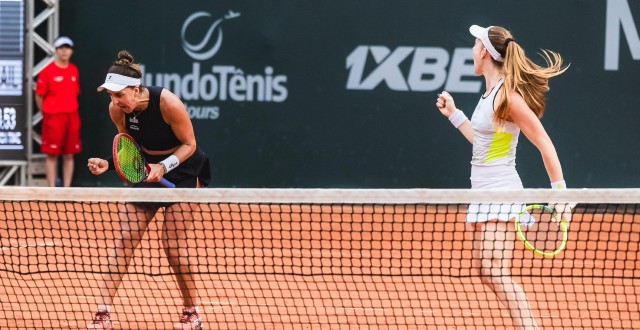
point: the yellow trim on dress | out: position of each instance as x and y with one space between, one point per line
499 147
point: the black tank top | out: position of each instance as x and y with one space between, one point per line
148 128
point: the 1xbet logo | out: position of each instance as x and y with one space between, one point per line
427 69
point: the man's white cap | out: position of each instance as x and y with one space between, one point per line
61 41
483 34
117 82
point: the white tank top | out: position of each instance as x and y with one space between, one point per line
490 146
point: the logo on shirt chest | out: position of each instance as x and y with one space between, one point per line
134 127
133 120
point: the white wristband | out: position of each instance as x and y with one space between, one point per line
559 185
457 118
170 162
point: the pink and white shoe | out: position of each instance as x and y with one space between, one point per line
189 319
101 320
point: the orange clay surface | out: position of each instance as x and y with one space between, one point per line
311 267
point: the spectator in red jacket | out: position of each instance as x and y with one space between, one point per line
57 91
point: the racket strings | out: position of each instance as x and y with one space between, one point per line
542 231
130 161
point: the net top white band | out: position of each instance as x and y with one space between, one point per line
117 82
323 196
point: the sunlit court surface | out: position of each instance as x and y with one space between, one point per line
326 259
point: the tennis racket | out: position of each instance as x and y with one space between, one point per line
541 230
129 161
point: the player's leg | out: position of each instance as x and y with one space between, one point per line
70 146
52 134
67 170
178 240
134 219
493 245
51 169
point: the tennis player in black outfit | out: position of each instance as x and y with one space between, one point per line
159 122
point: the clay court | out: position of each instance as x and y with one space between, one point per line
285 266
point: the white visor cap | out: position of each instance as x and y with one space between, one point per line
117 82
483 34
61 41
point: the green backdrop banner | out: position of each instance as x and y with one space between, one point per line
342 93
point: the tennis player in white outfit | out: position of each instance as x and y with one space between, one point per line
513 102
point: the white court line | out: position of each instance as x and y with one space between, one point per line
28 246
465 312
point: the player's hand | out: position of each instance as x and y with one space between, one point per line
156 172
97 166
445 104
563 210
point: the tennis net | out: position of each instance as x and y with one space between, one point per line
311 258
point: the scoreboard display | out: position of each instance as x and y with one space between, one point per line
12 91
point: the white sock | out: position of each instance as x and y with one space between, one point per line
104 307
195 308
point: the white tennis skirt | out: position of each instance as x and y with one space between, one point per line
494 177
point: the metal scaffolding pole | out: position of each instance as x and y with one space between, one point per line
40 15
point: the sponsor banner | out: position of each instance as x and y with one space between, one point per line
12 109
207 83
11 77
341 94
12 139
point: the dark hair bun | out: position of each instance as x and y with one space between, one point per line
124 58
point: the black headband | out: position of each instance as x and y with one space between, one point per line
506 42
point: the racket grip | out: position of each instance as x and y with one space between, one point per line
167 183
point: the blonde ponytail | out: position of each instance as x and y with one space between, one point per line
522 75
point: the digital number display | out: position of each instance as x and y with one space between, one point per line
12 109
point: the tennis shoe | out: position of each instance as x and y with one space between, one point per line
189 319
102 321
